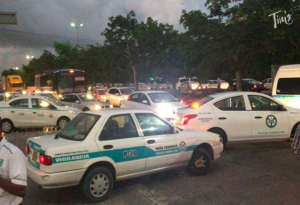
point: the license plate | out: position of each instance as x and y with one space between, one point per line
34 156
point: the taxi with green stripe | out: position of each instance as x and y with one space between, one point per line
97 148
34 112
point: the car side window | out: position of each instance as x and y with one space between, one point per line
41 104
234 103
19 103
65 98
262 103
144 98
119 127
134 97
112 91
153 125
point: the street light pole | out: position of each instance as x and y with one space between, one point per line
77 27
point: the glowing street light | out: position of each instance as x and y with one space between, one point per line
28 57
16 68
77 27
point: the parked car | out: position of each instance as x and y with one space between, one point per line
84 102
143 86
100 94
175 93
188 85
116 95
34 112
159 102
249 84
268 83
159 84
199 94
240 116
221 84
98 148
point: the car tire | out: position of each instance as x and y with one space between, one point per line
61 122
97 184
199 163
7 126
85 109
221 133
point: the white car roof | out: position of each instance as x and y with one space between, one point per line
149 91
120 88
224 94
118 111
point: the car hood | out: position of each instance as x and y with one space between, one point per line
95 103
75 109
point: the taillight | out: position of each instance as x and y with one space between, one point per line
264 86
182 101
255 86
45 160
187 118
26 149
195 105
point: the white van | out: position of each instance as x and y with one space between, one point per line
286 85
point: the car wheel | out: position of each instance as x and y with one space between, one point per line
7 126
199 163
85 109
97 184
221 133
61 122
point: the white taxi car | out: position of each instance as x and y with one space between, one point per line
238 116
33 112
159 102
97 148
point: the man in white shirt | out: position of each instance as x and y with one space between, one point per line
13 173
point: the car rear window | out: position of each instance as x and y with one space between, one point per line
78 128
288 86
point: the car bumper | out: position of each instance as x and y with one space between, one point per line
218 149
54 180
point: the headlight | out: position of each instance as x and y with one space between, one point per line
111 106
24 92
97 107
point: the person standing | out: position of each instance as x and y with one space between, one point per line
13 173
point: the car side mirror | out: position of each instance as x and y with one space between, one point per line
145 102
77 101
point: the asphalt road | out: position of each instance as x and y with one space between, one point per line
246 173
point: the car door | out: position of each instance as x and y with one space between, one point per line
112 96
120 141
42 112
164 147
233 117
269 121
20 113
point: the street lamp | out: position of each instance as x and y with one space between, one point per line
28 57
15 68
77 27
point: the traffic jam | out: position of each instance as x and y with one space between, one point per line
108 134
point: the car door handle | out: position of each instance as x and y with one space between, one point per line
151 141
222 118
12 111
34 112
258 117
108 146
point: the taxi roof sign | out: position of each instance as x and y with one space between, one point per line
8 18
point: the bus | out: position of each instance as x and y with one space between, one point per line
60 81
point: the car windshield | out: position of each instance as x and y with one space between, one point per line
78 128
194 79
161 97
212 81
126 91
87 98
54 100
183 80
160 81
203 101
254 82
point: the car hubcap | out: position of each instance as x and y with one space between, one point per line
62 123
99 185
6 126
200 163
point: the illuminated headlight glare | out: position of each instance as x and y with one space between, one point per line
195 86
24 92
224 86
7 95
97 107
72 112
111 106
164 111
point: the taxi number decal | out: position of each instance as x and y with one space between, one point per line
21 114
40 115
130 153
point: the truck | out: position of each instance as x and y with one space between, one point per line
12 83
